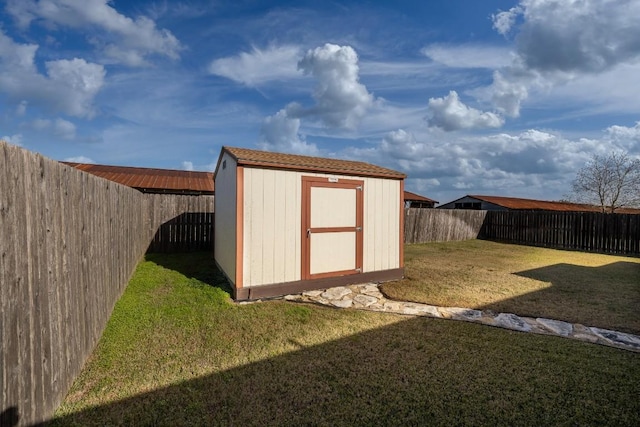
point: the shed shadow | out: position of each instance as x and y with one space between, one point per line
197 265
414 372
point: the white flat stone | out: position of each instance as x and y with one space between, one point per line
619 338
556 326
312 293
365 300
392 306
336 293
511 321
345 303
465 313
420 310
292 297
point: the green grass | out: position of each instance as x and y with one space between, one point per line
591 289
177 351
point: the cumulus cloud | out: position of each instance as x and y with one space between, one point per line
79 159
558 41
69 85
341 100
450 114
282 133
259 66
188 166
122 39
532 163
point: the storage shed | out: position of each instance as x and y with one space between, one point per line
289 223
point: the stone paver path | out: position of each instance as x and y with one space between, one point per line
369 297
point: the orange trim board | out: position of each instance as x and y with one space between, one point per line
239 226
401 249
307 183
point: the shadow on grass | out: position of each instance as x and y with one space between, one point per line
607 296
414 372
197 265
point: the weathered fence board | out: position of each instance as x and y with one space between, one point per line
69 242
188 232
441 225
584 231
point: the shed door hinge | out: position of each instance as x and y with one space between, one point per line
358 270
359 187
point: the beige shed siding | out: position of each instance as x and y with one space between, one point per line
225 218
272 221
381 224
271 226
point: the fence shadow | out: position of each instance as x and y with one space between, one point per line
581 294
198 265
414 372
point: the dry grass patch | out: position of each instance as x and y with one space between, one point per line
592 289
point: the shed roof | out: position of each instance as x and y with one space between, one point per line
531 204
151 179
266 159
408 195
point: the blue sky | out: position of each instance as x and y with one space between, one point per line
464 96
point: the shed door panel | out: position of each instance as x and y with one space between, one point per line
332 220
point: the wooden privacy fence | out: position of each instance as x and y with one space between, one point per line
584 231
69 242
441 225
191 231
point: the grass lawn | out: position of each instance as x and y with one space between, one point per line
592 289
176 352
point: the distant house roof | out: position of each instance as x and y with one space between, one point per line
151 180
413 197
266 159
515 203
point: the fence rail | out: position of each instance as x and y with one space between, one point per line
584 231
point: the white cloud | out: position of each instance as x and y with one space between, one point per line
281 133
560 41
64 129
341 100
468 56
121 38
188 166
259 66
13 139
69 85
60 127
79 159
450 114
503 21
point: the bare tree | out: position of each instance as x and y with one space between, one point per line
610 181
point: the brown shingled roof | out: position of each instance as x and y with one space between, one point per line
151 179
530 204
408 195
247 157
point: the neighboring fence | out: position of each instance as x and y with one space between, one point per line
191 231
584 231
69 242
441 225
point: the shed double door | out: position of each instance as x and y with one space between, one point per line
332 221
